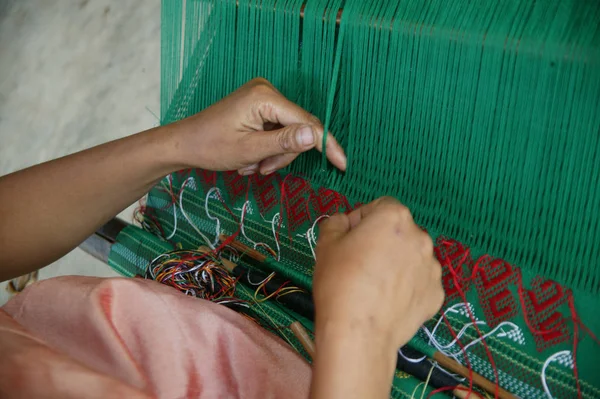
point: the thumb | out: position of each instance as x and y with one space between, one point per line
294 138
332 229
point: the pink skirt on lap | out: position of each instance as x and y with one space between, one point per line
87 337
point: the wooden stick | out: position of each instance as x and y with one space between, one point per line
338 18
478 380
227 264
302 336
246 250
462 392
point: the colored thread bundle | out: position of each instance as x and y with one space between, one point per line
272 287
195 274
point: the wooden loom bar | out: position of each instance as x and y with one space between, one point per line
338 18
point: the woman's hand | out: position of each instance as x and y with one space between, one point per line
376 281
254 129
233 134
376 268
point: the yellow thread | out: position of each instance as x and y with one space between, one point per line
276 326
412 396
427 380
402 375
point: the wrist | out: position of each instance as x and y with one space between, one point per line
358 325
352 361
167 146
357 332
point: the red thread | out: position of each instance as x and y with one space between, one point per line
472 394
472 317
297 213
576 324
520 290
462 348
232 237
449 251
264 192
325 201
207 178
545 298
235 184
493 277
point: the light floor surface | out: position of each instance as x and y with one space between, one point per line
74 74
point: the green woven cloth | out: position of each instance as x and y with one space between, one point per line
483 117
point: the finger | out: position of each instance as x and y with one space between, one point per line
364 211
275 108
282 111
249 170
335 153
332 229
276 162
292 139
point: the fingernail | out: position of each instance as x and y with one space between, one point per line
344 162
305 136
248 171
267 171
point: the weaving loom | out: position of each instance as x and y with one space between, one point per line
482 117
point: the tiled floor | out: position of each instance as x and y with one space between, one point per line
73 74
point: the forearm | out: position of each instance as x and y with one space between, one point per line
48 209
351 362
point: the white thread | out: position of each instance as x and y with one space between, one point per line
456 308
558 356
236 301
261 282
194 268
433 341
461 308
410 360
515 334
254 243
439 346
278 217
206 240
152 262
311 236
242 224
216 219
504 323
169 179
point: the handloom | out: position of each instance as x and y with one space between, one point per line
482 117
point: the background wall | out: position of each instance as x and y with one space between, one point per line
74 74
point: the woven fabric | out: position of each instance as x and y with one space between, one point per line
482 117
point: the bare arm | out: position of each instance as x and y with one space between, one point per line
352 360
48 209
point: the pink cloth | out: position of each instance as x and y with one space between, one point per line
85 337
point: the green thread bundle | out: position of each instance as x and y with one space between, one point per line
482 117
